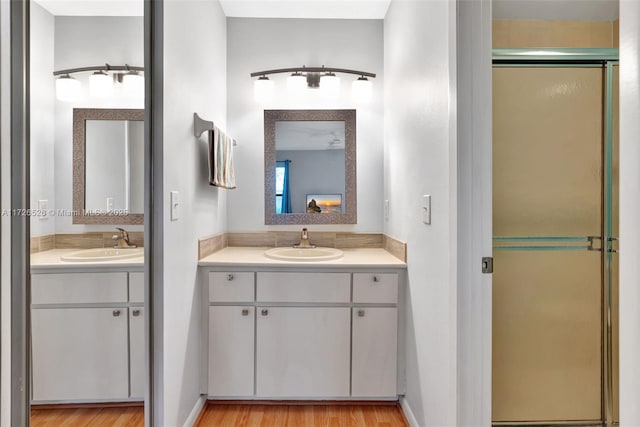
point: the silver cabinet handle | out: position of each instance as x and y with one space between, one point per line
265 312
136 313
360 313
245 311
376 279
116 313
229 277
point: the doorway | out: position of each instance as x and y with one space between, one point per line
555 210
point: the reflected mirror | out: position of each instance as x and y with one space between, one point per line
310 172
108 166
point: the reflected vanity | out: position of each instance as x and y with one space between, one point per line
108 166
310 166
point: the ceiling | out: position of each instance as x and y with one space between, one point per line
570 10
561 10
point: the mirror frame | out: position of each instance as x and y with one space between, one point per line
80 116
350 213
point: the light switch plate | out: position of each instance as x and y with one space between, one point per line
109 204
426 209
43 208
386 210
175 205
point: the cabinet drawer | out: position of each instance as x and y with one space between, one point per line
375 288
303 287
136 287
229 286
76 288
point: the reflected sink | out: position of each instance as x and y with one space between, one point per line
103 254
306 255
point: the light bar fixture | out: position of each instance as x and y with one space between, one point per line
323 78
101 81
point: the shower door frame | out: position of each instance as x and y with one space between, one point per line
605 58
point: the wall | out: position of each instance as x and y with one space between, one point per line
629 205
308 174
42 116
86 41
262 44
195 81
420 158
523 33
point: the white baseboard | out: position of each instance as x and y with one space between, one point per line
408 413
195 412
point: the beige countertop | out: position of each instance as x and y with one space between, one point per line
51 259
254 257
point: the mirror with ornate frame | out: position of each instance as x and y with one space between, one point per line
310 166
108 166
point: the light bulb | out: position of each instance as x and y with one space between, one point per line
263 89
296 84
67 88
361 90
330 86
133 84
100 84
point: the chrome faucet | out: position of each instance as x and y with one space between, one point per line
121 240
304 240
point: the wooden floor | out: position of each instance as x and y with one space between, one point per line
84 417
302 415
234 415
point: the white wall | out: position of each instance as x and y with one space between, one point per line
419 45
195 81
42 116
629 206
87 41
262 44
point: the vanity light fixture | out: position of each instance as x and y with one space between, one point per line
323 78
263 89
100 84
361 89
67 88
101 81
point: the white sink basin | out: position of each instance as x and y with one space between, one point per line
103 254
306 255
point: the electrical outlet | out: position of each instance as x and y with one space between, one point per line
386 210
109 204
426 209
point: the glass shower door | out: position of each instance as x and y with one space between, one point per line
548 201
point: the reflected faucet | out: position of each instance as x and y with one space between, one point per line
304 240
121 240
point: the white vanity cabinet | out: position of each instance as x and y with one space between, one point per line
301 334
87 337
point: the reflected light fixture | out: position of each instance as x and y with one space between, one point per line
101 81
323 78
361 89
100 84
133 84
263 89
67 88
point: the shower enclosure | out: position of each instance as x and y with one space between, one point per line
555 222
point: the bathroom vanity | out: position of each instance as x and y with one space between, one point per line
87 329
302 330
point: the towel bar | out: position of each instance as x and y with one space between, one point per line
200 125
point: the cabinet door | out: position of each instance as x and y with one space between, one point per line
79 353
136 352
302 352
374 352
231 351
